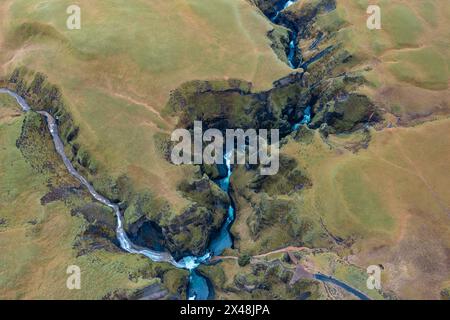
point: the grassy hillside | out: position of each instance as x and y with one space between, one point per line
407 60
40 240
385 203
367 196
117 71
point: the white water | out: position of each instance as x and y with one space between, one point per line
289 3
125 243
223 239
198 287
285 6
189 262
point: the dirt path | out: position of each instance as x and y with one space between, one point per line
283 250
288 250
140 103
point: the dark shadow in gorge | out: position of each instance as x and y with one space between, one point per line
147 234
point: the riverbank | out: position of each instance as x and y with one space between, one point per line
199 288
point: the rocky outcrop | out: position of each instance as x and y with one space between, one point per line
268 7
299 20
149 219
189 233
215 171
331 99
288 180
151 223
330 93
322 87
272 280
280 38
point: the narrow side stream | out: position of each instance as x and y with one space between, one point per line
306 119
346 287
199 287
125 243
292 49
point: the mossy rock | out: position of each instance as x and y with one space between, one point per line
351 112
244 259
175 280
445 294
215 274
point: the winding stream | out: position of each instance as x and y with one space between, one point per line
188 262
223 239
291 55
343 285
199 287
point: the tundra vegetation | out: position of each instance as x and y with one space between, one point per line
363 184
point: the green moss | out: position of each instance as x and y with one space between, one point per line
269 212
403 24
37 147
445 294
304 135
279 36
424 67
145 204
244 259
211 171
292 95
28 30
288 180
206 193
175 280
306 289
271 281
215 274
189 90
163 144
354 110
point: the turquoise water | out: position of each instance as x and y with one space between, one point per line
223 239
306 119
280 6
341 284
199 287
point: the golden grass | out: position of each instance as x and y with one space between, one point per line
408 58
392 198
117 79
36 241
